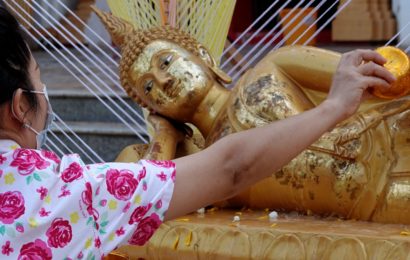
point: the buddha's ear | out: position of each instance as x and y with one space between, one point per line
209 60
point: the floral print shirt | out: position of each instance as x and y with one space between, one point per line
52 208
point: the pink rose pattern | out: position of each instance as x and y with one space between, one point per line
73 172
50 155
11 206
2 159
145 229
59 233
121 184
27 161
165 164
48 206
35 250
139 213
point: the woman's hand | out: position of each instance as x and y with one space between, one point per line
357 72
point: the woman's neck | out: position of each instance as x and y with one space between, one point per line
209 108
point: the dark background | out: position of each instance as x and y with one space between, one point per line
246 11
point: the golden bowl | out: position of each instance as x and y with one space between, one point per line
398 64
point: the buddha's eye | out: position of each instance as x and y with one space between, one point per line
166 61
148 86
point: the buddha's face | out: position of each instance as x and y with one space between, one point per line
170 80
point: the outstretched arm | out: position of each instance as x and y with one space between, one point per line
240 160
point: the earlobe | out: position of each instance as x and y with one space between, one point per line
18 106
221 75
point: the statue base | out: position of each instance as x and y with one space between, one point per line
214 235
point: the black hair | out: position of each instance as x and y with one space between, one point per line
15 57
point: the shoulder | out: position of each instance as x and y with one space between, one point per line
256 98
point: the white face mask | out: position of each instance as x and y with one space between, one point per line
41 137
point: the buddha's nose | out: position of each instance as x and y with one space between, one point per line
163 79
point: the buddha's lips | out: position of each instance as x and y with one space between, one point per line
171 88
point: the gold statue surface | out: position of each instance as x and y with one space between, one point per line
358 170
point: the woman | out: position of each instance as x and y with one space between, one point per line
57 208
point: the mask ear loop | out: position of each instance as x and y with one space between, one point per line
24 124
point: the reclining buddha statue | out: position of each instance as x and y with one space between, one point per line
359 170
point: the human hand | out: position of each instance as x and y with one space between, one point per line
358 72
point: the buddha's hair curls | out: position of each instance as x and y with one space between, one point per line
135 43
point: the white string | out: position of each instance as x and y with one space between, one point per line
198 24
116 82
254 48
220 42
56 148
313 24
296 27
190 14
78 138
41 45
397 34
284 39
61 143
108 57
403 40
73 142
91 30
59 139
48 42
249 28
133 13
85 76
96 77
183 13
341 8
237 51
219 23
51 149
110 70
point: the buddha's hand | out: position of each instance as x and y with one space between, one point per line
357 71
175 129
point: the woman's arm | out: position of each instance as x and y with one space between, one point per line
241 159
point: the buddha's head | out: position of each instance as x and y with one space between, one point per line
163 68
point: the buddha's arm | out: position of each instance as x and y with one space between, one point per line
162 146
309 67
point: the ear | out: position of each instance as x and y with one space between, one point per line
20 106
210 61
